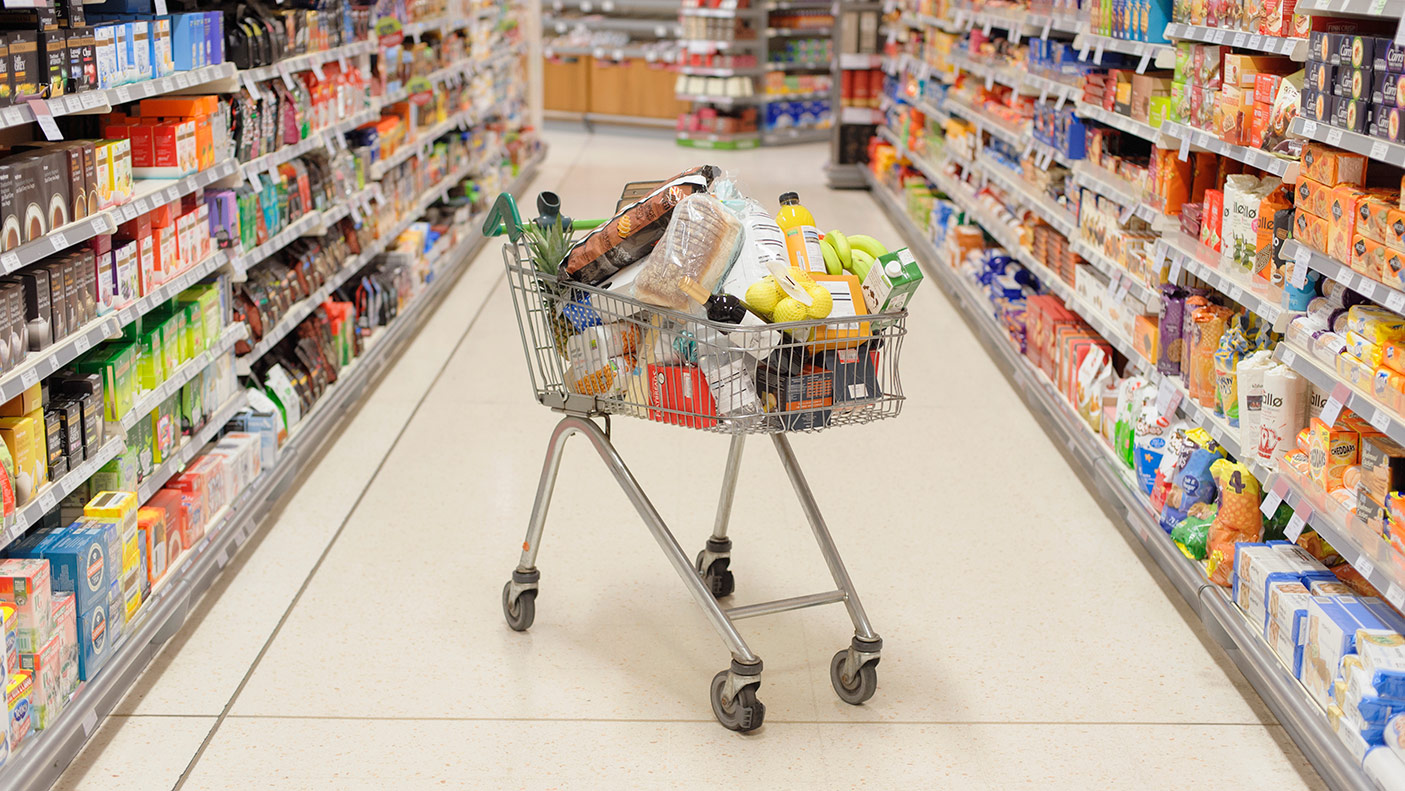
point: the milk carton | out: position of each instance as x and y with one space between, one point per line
891 281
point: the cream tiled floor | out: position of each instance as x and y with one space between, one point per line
360 644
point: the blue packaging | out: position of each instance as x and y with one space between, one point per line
97 638
214 20
185 38
78 562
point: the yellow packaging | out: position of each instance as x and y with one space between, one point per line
17 699
1376 325
24 436
1354 370
1333 450
1364 350
1389 387
119 507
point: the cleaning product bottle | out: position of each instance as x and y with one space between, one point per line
802 238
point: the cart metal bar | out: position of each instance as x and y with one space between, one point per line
729 486
785 605
831 555
571 424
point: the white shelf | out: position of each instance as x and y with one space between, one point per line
1295 48
1370 288
1285 169
147 194
1388 9
1163 56
1119 191
311 60
1189 255
1118 121
1325 378
103 100
1375 148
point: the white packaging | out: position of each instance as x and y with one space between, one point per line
1250 373
1284 412
1316 399
1385 767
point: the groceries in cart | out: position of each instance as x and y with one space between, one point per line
699 306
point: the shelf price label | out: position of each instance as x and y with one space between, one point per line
1364 565
1294 529
1367 288
47 501
1395 301
1098 54
1334 137
1273 499
1380 419
45 116
1333 408
1378 150
29 377
1395 595
1141 64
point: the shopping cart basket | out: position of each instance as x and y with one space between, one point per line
592 353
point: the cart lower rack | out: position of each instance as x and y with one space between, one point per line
594 353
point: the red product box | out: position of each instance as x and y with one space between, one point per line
682 390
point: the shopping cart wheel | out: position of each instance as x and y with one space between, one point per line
743 712
716 576
854 688
520 612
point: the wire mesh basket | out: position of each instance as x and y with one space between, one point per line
600 352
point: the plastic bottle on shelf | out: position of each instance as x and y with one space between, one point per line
802 238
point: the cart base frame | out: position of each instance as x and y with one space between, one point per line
852 670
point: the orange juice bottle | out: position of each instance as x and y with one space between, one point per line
802 238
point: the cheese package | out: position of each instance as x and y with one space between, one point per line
1331 166
1376 325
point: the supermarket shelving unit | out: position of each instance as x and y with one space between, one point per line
1300 715
37 763
847 175
766 34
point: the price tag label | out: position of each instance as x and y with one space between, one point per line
341 62
989 81
1220 36
1367 288
1236 294
1015 35
1395 595
986 29
90 722
92 99
1364 565
1240 39
1289 357
29 377
13 117
1380 419
1294 529
1142 64
223 559
1270 504
1098 54
45 116
59 240
123 94
1048 23
47 501
1184 153
1331 410
1127 213
10 262
317 70
1059 105
82 344
1334 137
1378 150
1175 274
1083 53
182 80
1395 301
1309 128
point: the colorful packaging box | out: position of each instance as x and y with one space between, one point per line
24 583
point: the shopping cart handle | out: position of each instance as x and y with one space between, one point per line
504 218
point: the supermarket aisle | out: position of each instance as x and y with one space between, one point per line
361 643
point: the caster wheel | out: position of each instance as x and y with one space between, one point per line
857 689
716 576
745 713
522 612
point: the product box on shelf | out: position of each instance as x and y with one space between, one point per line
24 583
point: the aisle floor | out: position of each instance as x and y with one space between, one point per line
359 643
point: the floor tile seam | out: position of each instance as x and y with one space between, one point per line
209 737
769 721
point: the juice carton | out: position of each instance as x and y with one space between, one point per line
24 582
891 282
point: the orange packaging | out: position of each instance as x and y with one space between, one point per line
1332 167
1367 256
1393 357
1265 88
1313 196
1393 268
1305 440
1354 371
1274 202
1373 216
1212 217
1333 450
1341 219
1145 336
1395 229
179 106
1309 229
846 292
1258 124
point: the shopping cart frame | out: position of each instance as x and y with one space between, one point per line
733 691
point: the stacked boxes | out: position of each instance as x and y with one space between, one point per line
1352 80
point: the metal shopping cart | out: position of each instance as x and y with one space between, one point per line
592 353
